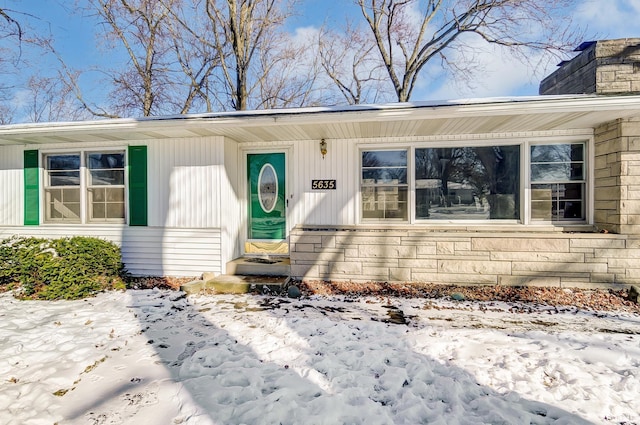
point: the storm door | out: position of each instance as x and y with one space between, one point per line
267 206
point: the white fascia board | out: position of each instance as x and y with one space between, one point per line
627 105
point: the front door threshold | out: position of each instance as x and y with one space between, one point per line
266 247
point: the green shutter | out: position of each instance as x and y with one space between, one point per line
137 185
31 189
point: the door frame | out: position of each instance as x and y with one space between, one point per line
244 180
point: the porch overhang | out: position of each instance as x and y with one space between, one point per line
539 114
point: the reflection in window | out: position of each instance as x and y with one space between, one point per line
62 188
468 183
268 188
105 186
384 187
557 182
96 179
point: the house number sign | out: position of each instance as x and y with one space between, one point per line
323 184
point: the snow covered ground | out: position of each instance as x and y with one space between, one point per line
158 357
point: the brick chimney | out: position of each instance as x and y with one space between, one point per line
602 67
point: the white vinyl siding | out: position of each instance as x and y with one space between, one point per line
229 198
146 251
184 182
11 185
323 207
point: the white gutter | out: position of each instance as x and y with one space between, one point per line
630 105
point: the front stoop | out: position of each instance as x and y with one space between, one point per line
246 274
256 266
236 284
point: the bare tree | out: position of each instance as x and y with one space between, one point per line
166 70
9 26
22 44
6 114
10 46
197 62
289 73
140 28
408 34
49 99
242 29
351 62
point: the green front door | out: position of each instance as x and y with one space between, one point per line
267 207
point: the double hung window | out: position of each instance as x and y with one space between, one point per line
558 182
84 187
384 185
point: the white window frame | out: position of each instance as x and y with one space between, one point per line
46 187
84 186
587 180
407 185
525 144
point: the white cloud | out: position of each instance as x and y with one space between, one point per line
498 73
609 19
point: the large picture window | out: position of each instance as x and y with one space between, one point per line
558 182
93 179
468 183
476 183
384 187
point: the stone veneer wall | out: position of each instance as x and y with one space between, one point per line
465 257
617 177
604 67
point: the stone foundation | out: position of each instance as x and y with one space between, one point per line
465 257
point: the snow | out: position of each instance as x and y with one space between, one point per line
160 357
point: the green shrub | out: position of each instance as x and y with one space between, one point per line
67 268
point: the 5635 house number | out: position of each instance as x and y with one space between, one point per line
323 184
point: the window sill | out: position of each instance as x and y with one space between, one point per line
457 228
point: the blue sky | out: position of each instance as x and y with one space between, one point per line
503 76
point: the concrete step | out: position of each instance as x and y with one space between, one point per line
237 284
254 266
241 284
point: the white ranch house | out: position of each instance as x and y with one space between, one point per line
540 190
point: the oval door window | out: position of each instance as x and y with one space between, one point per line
268 188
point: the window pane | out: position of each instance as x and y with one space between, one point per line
385 203
557 153
384 158
385 175
105 161
384 185
557 202
98 211
468 183
62 205
97 195
106 204
115 210
106 177
562 166
63 162
63 170
64 178
547 172
115 195
541 201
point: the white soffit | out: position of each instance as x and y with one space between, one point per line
480 116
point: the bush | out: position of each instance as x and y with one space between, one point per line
67 268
